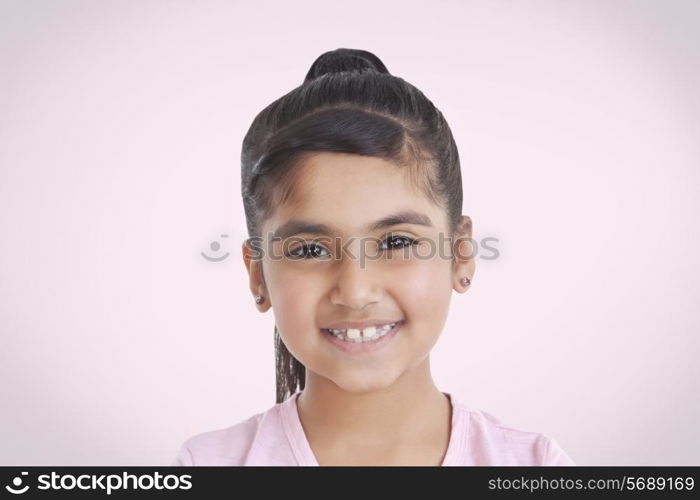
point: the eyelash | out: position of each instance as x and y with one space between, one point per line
305 248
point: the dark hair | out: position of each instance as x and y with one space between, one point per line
348 103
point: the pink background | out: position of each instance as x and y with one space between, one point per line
120 134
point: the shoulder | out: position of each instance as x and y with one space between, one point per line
224 446
490 441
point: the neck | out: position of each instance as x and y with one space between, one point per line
412 406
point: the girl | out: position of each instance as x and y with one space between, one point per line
352 190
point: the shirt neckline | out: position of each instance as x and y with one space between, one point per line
304 454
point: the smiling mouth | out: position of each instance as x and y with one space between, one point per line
367 335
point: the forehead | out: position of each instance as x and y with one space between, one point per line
341 171
350 192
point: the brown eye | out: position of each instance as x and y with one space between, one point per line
403 241
305 252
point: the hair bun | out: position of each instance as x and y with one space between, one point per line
338 60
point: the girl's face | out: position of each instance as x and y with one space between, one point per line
354 272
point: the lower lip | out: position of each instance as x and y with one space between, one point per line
363 347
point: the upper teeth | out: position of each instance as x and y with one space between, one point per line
366 333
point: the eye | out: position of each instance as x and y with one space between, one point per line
405 241
305 252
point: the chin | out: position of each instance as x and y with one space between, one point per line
366 382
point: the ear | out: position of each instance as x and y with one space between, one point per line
463 263
252 258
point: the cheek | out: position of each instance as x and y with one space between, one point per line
425 296
426 284
294 304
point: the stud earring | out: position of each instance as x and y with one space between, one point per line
259 299
466 281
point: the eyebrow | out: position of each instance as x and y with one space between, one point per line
296 226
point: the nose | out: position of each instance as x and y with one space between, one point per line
355 283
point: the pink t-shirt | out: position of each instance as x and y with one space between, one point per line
276 437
